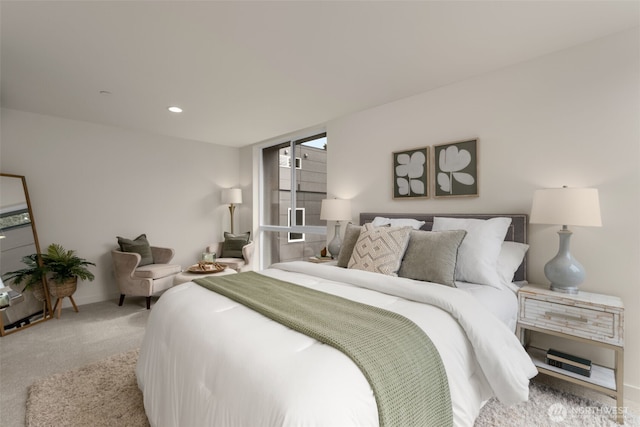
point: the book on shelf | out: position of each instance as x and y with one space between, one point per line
569 362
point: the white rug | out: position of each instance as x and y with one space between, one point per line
106 394
550 407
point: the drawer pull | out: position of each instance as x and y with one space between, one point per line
565 316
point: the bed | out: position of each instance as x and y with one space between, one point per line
207 360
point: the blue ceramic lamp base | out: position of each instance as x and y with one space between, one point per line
336 243
563 271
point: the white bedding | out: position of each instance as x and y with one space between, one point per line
502 303
209 361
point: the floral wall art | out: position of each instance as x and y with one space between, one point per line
410 174
456 169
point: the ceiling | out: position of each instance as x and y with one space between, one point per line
245 72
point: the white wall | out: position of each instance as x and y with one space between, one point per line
89 183
571 118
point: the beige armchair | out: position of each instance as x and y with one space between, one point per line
239 264
146 280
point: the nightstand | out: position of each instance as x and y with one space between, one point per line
585 317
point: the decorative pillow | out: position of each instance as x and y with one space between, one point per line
397 222
139 245
479 251
348 243
380 249
431 256
233 244
510 258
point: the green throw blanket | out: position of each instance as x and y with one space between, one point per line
398 359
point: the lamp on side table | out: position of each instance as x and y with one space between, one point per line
335 210
565 206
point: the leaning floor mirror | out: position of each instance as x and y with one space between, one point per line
23 302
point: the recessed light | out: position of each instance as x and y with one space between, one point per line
174 109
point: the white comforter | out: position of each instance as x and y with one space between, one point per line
209 361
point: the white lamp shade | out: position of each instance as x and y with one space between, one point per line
232 196
335 210
566 206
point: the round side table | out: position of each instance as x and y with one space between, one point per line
186 276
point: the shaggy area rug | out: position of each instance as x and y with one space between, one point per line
102 394
106 394
550 407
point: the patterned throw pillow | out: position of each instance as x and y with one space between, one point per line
380 249
139 245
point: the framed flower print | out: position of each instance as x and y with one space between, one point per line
456 169
411 174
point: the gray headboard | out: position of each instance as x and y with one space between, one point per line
517 231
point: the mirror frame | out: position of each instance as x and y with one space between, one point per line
48 312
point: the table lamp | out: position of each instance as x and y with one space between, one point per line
335 210
565 206
232 197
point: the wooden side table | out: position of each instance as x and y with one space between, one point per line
186 276
320 260
585 317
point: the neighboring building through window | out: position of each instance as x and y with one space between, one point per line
296 237
288 237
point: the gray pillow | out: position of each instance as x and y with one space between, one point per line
431 256
233 244
348 243
139 245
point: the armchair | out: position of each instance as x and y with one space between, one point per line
238 264
145 280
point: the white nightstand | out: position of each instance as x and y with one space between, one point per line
585 317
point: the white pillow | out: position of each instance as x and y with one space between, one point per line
380 221
397 222
510 258
479 251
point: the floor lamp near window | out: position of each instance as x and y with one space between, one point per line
565 206
335 210
232 197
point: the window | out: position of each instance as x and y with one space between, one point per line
296 237
284 190
285 162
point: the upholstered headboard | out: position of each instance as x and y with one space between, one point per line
517 231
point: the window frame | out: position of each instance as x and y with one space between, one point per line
294 228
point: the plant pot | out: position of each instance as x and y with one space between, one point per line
64 289
38 291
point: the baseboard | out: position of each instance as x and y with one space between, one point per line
632 393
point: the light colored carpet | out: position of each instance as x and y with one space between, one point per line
102 394
106 394
97 331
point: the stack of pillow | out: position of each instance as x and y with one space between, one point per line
457 249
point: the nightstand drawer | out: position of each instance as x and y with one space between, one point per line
565 315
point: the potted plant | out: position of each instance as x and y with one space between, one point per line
63 268
32 276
